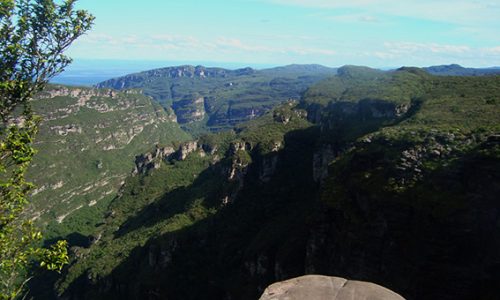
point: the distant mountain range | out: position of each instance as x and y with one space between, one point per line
215 98
457 70
88 72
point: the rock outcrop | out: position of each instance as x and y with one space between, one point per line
152 160
186 148
186 71
316 287
190 110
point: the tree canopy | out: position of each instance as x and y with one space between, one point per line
33 37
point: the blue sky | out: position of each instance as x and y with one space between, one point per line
383 33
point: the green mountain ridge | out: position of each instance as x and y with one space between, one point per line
388 177
215 98
457 70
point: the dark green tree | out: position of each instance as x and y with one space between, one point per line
33 37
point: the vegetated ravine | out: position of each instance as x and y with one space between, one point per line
388 177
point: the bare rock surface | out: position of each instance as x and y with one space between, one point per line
317 287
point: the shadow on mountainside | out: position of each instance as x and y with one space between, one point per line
232 252
212 252
438 239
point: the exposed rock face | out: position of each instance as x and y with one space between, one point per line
176 72
231 115
186 148
370 108
190 110
86 98
210 149
82 94
239 146
284 116
152 160
237 171
341 112
316 287
236 174
65 129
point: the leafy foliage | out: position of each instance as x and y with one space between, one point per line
33 37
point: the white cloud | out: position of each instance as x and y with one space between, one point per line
192 48
236 44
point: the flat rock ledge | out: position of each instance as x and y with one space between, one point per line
317 287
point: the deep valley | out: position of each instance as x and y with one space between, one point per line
230 180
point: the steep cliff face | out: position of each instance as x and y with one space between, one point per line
199 72
230 115
219 98
87 141
191 109
152 160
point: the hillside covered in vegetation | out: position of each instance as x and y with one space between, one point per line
215 98
388 177
86 147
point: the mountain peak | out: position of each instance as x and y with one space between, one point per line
357 71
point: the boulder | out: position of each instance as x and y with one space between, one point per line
316 287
